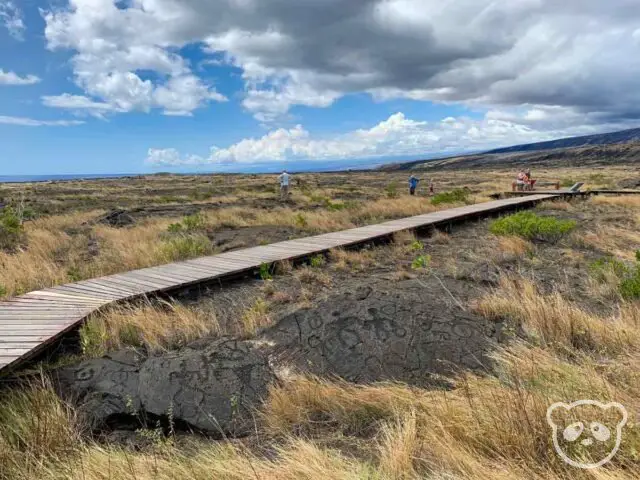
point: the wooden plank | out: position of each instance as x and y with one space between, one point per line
59 298
10 339
143 286
159 283
87 293
158 277
168 272
110 287
7 352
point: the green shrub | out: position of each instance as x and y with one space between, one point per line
629 277
265 271
392 190
317 261
335 206
3 291
417 245
602 266
190 223
11 229
74 274
567 182
174 228
186 247
630 286
194 222
300 220
423 261
459 195
532 227
10 222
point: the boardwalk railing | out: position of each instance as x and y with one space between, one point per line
32 322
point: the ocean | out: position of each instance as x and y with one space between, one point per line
48 178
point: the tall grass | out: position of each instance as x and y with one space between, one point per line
154 326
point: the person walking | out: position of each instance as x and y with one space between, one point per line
284 179
413 184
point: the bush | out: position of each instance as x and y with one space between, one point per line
630 286
194 222
186 247
532 227
11 229
601 267
392 190
191 223
459 195
629 277
421 262
300 220
417 245
265 271
567 182
317 261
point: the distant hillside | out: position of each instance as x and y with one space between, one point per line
623 136
592 150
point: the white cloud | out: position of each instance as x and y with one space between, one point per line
11 78
30 122
78 103
115 46
581 55
11 19
395 137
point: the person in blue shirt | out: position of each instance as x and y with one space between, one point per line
413 184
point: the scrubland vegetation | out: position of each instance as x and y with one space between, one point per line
566 295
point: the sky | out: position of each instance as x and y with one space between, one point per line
129 86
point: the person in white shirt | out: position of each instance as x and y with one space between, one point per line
284 184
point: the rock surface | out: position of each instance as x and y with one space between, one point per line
212 389
404 331
117 218
413 331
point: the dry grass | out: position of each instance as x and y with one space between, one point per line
351 260
558 324
627 201
312 276
555 205
612 240
35 427
154 326
254 319
514 246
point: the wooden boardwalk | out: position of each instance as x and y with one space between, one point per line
31 322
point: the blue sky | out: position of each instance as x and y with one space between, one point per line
99 86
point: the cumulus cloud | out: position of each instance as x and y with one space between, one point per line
12 78
125 57
30 122
577 54
394 137
11 19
